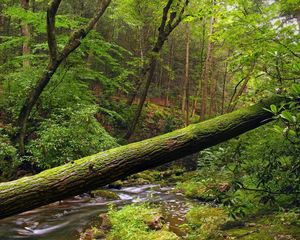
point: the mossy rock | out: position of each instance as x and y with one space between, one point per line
117 184
147 176
105 222
109 195
197 190
92 234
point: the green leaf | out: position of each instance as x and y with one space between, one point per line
273 108
287 116
296 89
278 129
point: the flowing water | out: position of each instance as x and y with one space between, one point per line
65 220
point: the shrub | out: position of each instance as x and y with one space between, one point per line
67 136
8 156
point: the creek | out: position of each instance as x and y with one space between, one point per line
64 220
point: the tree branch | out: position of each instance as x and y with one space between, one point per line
164 19
77 36
171 26
51 13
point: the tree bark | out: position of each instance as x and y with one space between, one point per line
105 167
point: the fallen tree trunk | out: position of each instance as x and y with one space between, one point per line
108 166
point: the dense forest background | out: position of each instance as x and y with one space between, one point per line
75 81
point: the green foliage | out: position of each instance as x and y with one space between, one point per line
62 126
262 166
131 223
8 155
68 135
204 222
288 115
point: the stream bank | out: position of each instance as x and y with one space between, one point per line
182 217
65 220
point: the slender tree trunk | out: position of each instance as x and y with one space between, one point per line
234 99
103 168
224 88
143 72
142 99
161 76
187 80
213 92
31 101
170 63
206 73
26 34
186 71
198 90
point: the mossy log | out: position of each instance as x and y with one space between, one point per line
106 167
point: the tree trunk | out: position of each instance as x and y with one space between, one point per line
235 97
142 99
224 83
213 91
195 102
105 167
187 80
206 73
186 71
26 34
143 71
224 88
170 65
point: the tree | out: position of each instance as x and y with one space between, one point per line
170 20
56 58
26 34
207 70
185 95
108 166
